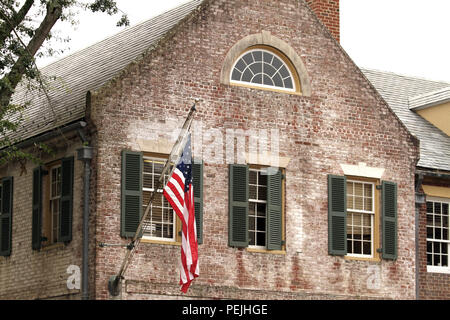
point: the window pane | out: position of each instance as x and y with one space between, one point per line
247 76
437 207
430 207
248 58
262 193
236 75
261 224
260 239
240 65
257 55
261 210
251 236
252 192
256 68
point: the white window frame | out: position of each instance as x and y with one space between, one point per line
439 269
52 199
372 219
257 201
294 89
174 218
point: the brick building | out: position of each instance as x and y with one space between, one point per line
423 105
336 220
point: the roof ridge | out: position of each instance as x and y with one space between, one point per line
409 76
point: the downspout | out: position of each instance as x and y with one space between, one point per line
419 200
85 155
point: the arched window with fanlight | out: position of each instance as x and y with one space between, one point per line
263 61
266 68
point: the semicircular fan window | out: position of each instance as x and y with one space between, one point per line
262 68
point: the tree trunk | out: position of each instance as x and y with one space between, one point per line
54 11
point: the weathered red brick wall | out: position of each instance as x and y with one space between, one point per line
343 121
328 12
431 285
31 274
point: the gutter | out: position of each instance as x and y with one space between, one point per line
52 134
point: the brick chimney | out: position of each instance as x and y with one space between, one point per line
328 12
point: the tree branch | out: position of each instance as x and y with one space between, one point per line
11 80
8 26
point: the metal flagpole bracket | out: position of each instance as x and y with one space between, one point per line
113 285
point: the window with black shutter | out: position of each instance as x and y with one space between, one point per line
52 209
354 209
255 208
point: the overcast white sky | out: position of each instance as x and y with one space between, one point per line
409 37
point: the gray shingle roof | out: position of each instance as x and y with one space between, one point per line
397 90
430 99
89 69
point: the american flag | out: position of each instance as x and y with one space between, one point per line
180 194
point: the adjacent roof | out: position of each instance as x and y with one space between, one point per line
89 69
430 99
397 90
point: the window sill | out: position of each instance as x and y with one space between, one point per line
374 259
52 246
173 243
436 269
249 86
254 250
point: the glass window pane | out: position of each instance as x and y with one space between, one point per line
288 83
430 232
430 207
256 68
268 81
261 224
240 65
284 72
261 238
257 55
252 192
429 260
269 70
236 75
357 247
445 209
278 81
367 247
368 190
262 193
251 236
267 57
276 63
437 207
248 58
261 207
257 79
247 75
445 261
251 223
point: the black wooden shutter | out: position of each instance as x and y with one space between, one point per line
238 206
36 224
6 216
131 206
197 175
389 220
274 211
337 216
66 204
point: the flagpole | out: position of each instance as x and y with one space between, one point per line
175 154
